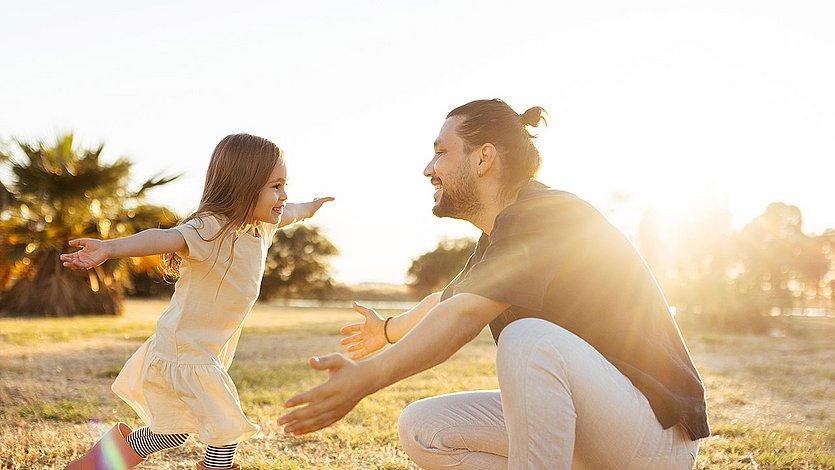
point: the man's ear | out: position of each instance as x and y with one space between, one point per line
487 156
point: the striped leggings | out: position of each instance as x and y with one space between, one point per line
145 443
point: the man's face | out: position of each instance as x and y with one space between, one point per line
453 174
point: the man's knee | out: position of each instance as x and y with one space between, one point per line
417 430
409 424
519 340
519 337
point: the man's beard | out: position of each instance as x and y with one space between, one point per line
461 202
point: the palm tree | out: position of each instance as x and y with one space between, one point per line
59 192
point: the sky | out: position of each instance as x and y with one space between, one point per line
665 101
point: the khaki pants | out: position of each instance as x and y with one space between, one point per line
561 405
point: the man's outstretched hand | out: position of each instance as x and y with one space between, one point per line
347 384
369 336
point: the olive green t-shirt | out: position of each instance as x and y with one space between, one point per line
553 256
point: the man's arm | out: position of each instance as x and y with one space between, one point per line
445 329
400 325
369 336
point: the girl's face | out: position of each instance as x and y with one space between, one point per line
272 198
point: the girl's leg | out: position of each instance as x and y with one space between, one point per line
220 456
145 443
111 451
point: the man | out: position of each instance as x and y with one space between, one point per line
593 372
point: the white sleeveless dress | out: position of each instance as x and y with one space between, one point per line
177 381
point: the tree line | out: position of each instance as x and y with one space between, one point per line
56 191
712 273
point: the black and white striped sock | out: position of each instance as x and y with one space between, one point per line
145 443
220 456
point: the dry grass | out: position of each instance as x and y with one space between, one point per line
771 399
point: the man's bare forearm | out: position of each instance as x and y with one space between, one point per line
400 325
443 331
149 242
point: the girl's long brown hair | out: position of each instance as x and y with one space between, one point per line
240 166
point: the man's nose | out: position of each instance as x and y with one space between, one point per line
429 171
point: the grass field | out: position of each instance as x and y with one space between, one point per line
771 400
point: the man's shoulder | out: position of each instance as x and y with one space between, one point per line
547 212
537 200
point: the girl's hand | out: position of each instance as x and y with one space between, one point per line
307 209
369 335
93 253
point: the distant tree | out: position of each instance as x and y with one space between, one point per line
727 279
779 259
827 291
691 257
433 270
59 192
298 264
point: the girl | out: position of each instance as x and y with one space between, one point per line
177 380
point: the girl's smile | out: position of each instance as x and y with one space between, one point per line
272 198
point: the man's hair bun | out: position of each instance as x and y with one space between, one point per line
533 116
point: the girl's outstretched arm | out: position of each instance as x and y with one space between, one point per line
295 212
145 243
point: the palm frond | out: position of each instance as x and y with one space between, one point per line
58 191
6 197
154 181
